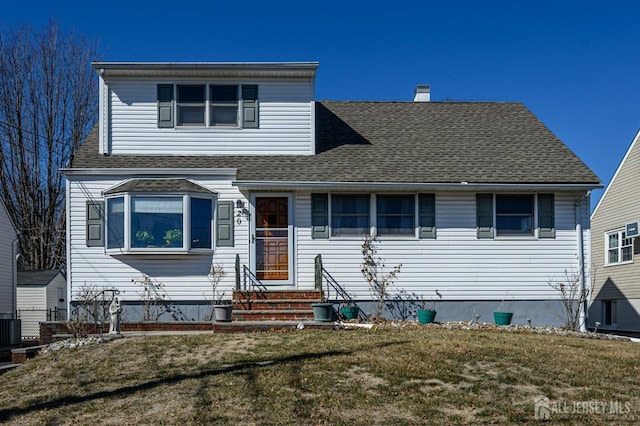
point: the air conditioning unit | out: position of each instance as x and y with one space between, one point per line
631 229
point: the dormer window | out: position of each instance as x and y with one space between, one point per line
224 105
208 105
191 105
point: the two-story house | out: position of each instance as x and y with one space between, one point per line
197 163
615 243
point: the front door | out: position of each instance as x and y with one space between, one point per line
272 240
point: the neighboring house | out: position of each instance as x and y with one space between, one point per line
42 296
199 162
8 264
615 244
9 328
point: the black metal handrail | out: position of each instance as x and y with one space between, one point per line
341 295
250 278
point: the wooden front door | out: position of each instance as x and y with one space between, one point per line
272 239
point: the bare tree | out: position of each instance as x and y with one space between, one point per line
47 107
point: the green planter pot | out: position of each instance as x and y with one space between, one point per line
502 318
322 311
426 316
350 312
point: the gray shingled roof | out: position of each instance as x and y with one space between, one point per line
398 142
158 185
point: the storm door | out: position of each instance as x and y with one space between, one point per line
272 240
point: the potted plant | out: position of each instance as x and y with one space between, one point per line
323 310
173 238
145 237
221 309
349 310
427 314
500 317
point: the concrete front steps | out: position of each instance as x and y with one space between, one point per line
274 305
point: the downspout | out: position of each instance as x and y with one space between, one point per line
581 268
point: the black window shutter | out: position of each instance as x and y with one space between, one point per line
546 220
250 106
165 105
95 223
484 215
319 216
426 216
224 224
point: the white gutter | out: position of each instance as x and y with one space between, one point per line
413 185
149 172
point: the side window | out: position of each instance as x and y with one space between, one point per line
514 215
395 214
349 215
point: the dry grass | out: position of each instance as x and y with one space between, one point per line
380 376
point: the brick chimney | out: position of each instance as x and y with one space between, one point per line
422 93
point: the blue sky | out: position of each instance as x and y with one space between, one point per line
573 63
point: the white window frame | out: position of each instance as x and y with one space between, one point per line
202 105
620 247
415 215
212 105
373 216
534 213
186 224
208 105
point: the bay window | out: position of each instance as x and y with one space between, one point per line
159 222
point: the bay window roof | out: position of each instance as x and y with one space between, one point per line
158 185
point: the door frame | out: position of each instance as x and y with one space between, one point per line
290 228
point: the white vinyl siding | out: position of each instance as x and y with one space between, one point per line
458 264
7 265
285 117
184 277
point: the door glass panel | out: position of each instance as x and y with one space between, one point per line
272 238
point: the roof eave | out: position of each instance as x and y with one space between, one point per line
461 186
206 69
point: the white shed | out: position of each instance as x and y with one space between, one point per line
41 297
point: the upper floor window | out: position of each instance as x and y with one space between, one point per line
208 105
224 105
191 105
619 248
